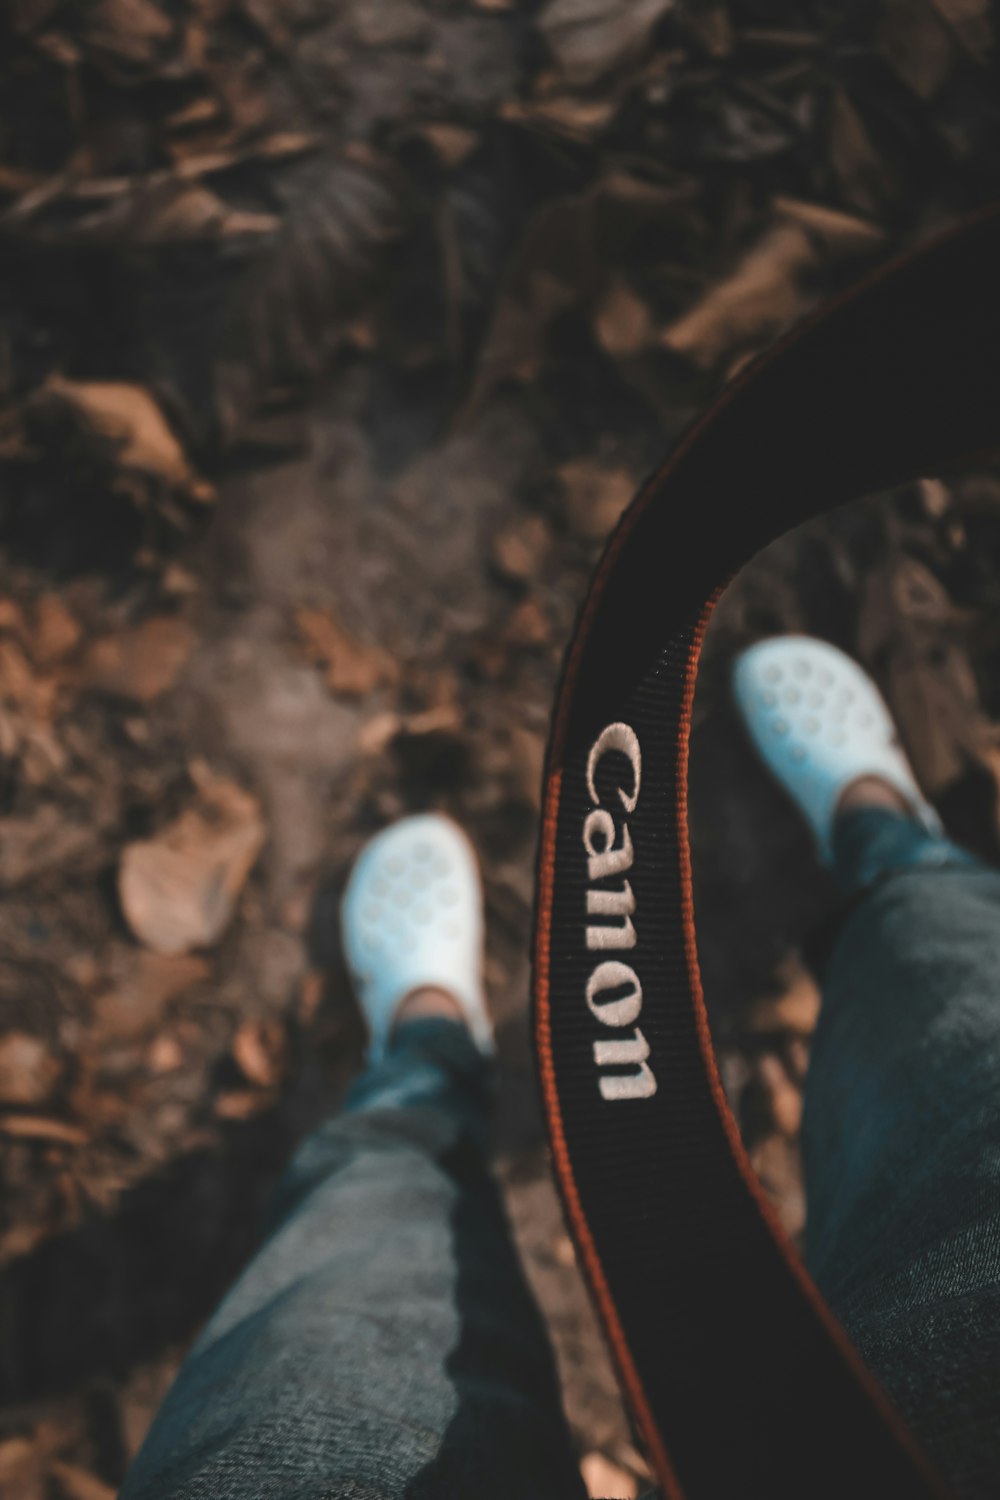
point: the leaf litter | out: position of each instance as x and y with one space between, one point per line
334 342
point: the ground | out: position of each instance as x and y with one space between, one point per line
334 340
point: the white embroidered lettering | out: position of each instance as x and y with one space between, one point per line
640 1083
609 859
616 737
613 975
614 991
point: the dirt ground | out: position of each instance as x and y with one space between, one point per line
333 339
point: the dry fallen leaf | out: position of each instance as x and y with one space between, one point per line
126 38
589 38
784 1100
140 663
258 1047
48 839
972 23
937 722
175 212
767 290
240 1104
906 628
520 550
308 284
179 889
451 144
917 45
382 729
142 985
795 1009
527 625
79 1484
353 669
27 709
606 1480
165 1055
126 418
622 321
36 1128
57 632
778 1164
527 761
22 1469
594 497
863 176
28 1071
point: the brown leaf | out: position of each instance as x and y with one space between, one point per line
972 23
795 1009
918 596
936 722
79 1484
141 663
527 625
56 631
606 1479
917 45
240 1104
388 23
127 38
126 418
622 321
258 1047
778 1164
36 1128
48 839
796 1053
381 730
527 758
143 984
520 550
179 889
565 114
863 176
190 211
451 144
784 1100
353 670
21 1469
27 710
28 1071
307 286
594 497
713 28
12 618
766 291
589 38
548 273
906 626
165 1055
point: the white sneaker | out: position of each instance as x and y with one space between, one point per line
412 918
820 723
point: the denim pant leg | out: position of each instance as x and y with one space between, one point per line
901 1135
383 1342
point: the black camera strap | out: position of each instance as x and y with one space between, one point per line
741 1382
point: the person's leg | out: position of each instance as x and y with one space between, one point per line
383 1343
901 1133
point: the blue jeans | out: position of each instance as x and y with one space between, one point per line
383 1344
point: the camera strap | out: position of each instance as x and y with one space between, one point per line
740 1380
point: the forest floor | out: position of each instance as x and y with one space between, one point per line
333 340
